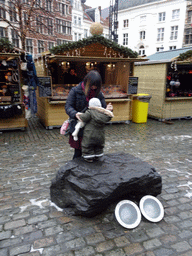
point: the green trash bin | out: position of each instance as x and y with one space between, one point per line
140 107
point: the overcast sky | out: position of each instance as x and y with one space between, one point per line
96 3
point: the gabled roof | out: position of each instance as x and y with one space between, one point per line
125 52
166 56
124 4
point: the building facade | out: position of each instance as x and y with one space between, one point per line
52 22
154 25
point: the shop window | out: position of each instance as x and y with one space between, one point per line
174 33
29 45
126 23
161 16
160 34
175 14
41 47
142 35
125 39
179 80
15 38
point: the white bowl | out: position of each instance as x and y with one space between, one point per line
127 214
151 208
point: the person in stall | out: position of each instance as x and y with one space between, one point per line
77 101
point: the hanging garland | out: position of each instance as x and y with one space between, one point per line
127 52
185 55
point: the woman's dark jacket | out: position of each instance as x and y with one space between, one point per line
76 102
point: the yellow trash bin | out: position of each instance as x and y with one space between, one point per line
140 108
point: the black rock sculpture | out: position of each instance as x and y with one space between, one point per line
89 188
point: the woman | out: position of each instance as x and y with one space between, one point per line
77 101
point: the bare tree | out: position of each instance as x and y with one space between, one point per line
27 17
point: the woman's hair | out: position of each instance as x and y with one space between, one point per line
92 78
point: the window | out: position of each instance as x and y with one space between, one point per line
50 26
60 26
12 12
126 23
29 45
174 33
162 16
175 14
2 9
38 3
125 39
75 20
75 36
60 41
79 21
160 34
141 50
15 38
2 32
143 18
188 36
79 36
160 49
48 5
39 24
25 18
50 45
172 47
142 35
85 33
41 47
189 17
69 28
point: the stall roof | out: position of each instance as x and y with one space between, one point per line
165 56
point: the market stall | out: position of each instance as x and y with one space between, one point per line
12 110
168 79
114 63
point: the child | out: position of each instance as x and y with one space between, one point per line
95 119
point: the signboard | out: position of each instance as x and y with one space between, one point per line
45 86
133 84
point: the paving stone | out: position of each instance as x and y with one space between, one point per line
181 246
21 249
132 249
104 246
31 159
37 219
14 224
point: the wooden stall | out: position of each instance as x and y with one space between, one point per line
114 66
169 82
12 111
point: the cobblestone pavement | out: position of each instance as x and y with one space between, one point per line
31 225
